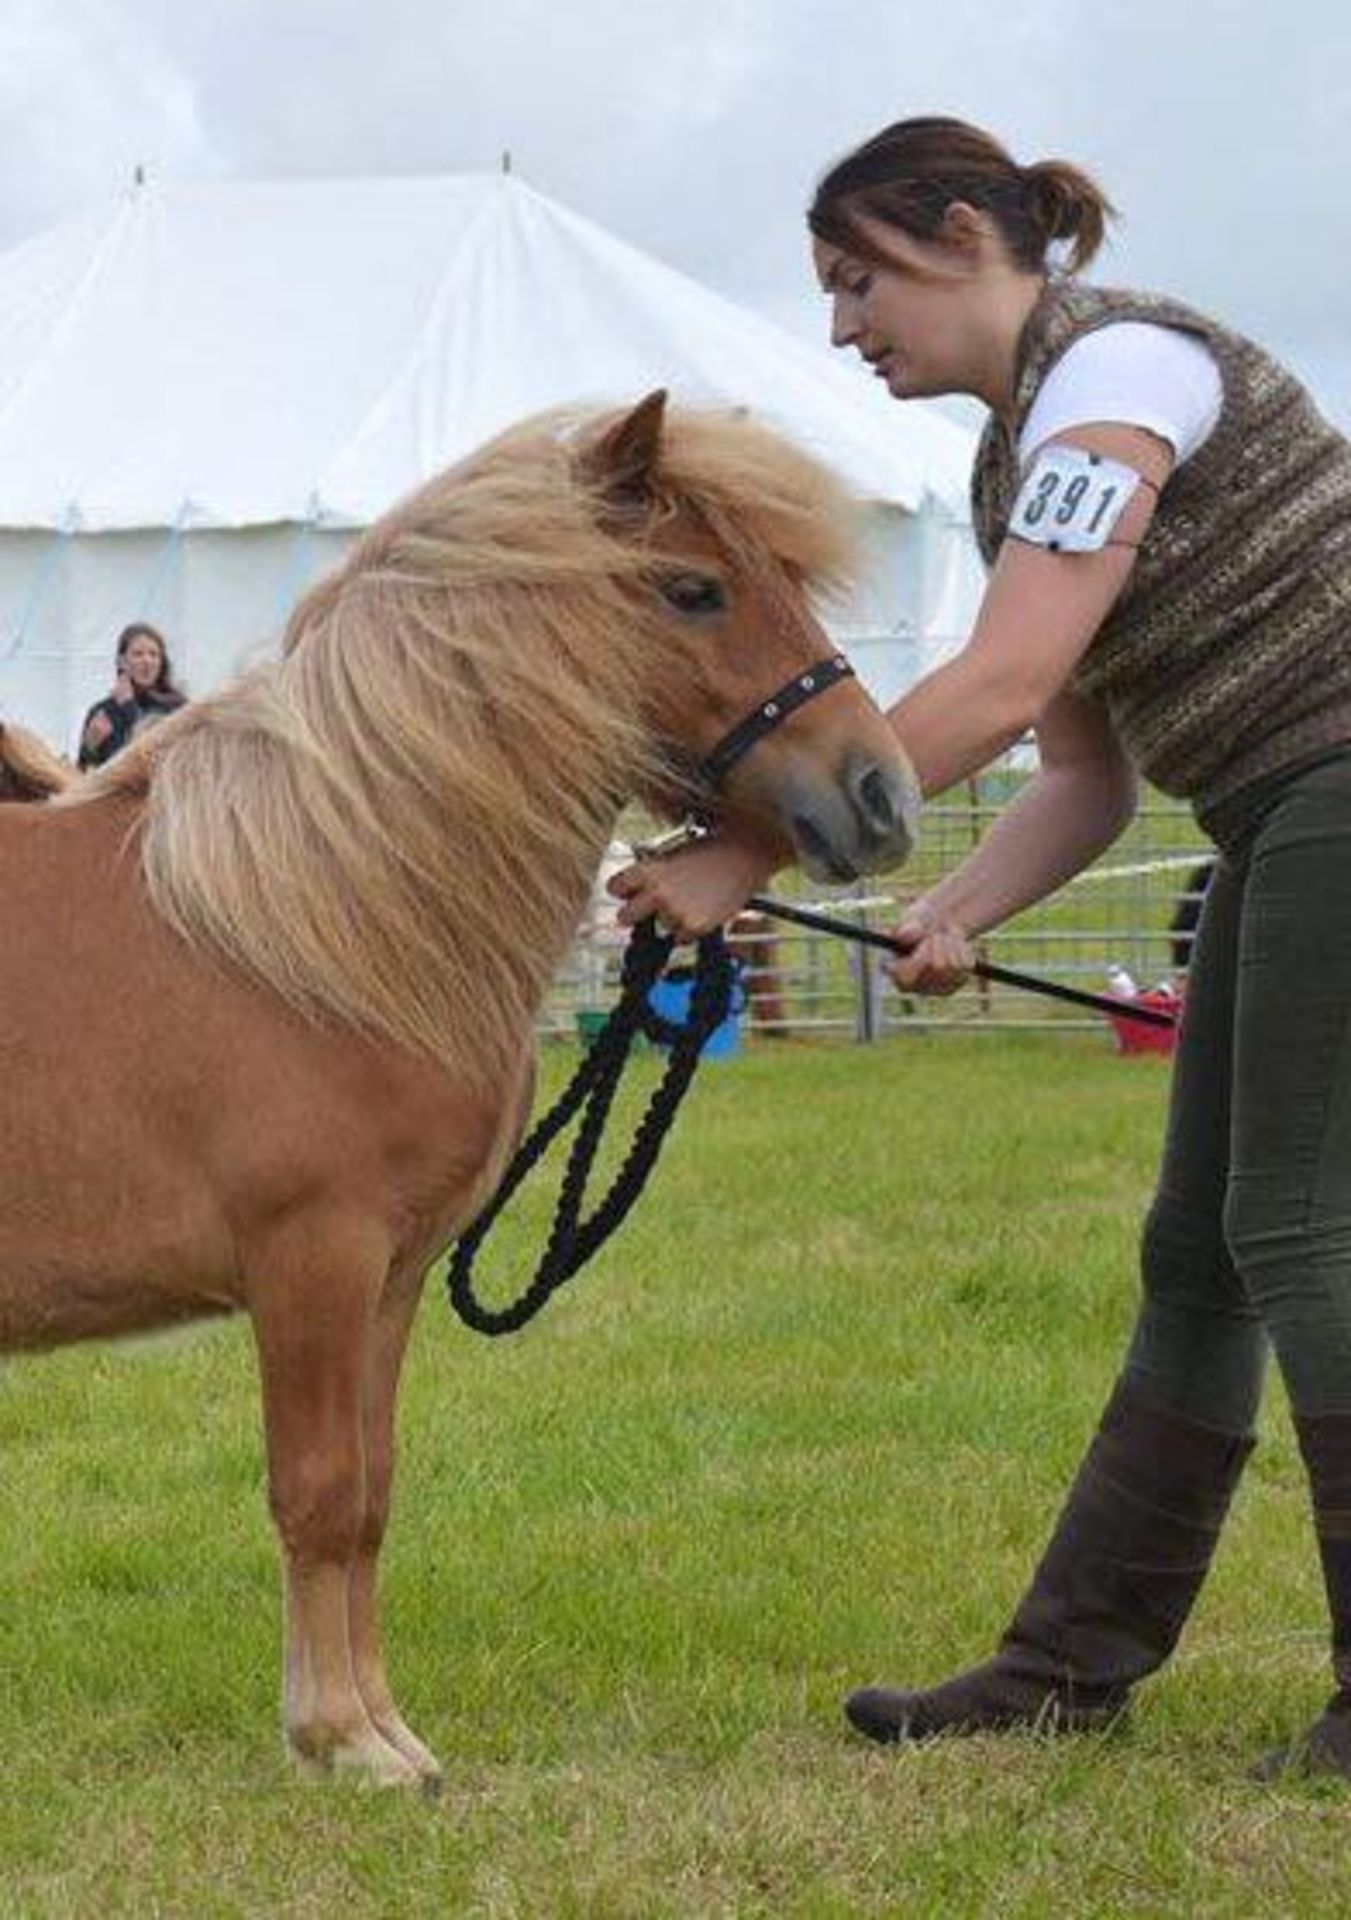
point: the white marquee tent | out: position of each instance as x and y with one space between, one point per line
204 390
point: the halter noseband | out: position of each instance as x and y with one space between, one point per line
770 714
693 782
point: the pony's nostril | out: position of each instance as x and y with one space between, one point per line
875 801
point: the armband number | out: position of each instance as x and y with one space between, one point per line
1071 501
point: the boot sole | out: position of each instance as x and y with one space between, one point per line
1300 1760
1051 1720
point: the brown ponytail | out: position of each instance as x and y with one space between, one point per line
909 174
1067 206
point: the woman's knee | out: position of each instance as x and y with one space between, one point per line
1185 1261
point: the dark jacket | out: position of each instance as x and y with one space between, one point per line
126 717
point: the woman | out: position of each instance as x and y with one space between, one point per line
143 693
1167 522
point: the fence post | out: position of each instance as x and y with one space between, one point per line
867 1007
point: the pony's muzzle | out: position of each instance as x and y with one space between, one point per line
864 822
885 801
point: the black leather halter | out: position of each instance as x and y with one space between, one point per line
770 714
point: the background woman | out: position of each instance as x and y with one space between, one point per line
142 693
1167 522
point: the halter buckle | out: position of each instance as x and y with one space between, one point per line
688 833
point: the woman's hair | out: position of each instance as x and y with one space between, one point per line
909 174
141 630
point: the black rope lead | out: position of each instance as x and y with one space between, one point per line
591 1091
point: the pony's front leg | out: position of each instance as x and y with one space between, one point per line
313 1291
386 1354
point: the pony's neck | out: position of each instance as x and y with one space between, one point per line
420 883
527 960
536 847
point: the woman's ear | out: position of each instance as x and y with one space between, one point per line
965 228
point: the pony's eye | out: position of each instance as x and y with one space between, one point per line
694 594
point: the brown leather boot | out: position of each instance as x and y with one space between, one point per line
1325 1748
1110 1596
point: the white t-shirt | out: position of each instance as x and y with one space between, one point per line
1134 373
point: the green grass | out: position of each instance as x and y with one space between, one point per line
805 1423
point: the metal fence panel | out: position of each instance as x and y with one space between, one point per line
1128 911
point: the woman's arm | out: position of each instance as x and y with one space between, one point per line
1038 618
101 735
1082 797
108 725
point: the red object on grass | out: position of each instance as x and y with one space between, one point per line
1139 1036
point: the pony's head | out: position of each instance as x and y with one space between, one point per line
29 770
576 615
728 535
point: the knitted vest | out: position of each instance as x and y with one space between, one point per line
1228 654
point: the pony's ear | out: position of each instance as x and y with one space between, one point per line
623 460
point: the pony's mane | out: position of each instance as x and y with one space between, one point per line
394 826
29 770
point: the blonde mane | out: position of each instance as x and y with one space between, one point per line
394 826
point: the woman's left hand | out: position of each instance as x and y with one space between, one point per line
939 955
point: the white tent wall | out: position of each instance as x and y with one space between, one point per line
919 584
221 598
37 621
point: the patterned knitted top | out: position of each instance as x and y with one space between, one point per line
1228 654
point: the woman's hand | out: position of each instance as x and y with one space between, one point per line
693 891
97 731
939 955
123 691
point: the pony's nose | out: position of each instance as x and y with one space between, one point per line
869 792
882 800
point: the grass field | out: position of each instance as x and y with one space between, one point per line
803 1425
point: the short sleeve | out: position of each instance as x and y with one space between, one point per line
1136 374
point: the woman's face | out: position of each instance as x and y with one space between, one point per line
142 661
915 320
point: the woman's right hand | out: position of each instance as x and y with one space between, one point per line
123 691
939 954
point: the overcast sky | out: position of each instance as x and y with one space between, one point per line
694 128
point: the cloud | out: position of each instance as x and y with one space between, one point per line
695 128
86 95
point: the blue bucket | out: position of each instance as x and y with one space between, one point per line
670 996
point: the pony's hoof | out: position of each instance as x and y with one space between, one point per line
374 1763
368 1760
393 1728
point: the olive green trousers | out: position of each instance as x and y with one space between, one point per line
1247 1248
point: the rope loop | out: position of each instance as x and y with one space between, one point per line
591 1091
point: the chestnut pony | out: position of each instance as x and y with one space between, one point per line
342 885
29 770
